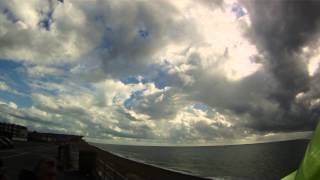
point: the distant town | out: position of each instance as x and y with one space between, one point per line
75 158
21 133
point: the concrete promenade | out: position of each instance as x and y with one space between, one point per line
101 164
26 155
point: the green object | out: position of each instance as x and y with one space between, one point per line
291 176
310 166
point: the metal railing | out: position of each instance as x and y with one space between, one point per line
106 172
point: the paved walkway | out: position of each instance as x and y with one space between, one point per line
26 155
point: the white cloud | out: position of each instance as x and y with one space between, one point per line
313 65
41 71
197 52
190 58
5 87
110 92
10 104
23 37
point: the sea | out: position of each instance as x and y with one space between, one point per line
262 161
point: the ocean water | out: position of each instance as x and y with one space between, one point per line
265 161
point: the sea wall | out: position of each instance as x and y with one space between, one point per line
104 165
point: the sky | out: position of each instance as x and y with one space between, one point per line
161 71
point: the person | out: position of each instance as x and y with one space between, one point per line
44 170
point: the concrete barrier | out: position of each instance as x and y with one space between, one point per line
105 165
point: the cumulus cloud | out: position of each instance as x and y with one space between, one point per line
282 41
134 37
171 71
96 112
43 32
158 103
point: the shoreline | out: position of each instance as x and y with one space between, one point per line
204 172
153 165
127 167
203 145
99 163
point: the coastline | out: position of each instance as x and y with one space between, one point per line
153 165
208 163
132 169
96 163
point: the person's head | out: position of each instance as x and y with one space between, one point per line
46 169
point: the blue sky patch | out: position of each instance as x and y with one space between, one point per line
46 22
131 80
200 106
12 73
238 10
133 97
143 33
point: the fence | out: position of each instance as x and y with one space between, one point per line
105 172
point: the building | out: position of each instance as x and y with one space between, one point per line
13 131
54 138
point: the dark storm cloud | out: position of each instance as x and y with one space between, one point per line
266 100
280 29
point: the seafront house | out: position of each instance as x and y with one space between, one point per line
13 131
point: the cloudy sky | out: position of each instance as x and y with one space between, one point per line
161 71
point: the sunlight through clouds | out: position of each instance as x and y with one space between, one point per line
189 71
